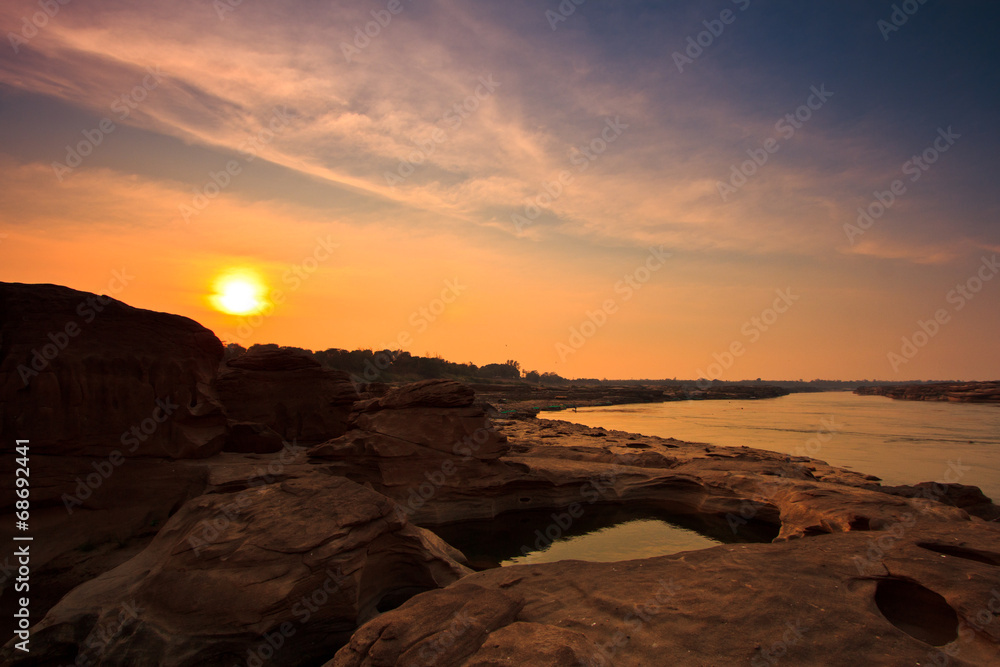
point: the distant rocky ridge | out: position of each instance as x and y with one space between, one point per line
957 392
283 521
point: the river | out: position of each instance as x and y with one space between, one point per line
902 442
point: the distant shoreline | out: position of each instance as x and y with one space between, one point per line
954 392
526 401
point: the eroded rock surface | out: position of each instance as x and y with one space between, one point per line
841 599
306 559
552 464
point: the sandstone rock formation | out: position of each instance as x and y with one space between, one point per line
82 374
288 392
425 427
110 398
554 464
924 593
297 564
178 553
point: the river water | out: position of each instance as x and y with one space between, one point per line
902 442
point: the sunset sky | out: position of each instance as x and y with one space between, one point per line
480 180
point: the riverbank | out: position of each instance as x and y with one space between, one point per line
526 401
956 392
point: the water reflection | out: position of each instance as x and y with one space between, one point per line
598 533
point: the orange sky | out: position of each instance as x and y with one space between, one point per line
316 191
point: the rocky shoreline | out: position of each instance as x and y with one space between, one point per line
956 392
524 400
271 512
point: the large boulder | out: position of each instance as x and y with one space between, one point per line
287 391
430 428
83 374
113 401
281 573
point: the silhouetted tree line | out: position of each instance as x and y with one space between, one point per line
393 365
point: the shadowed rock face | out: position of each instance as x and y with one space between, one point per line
287 392
309 558
79 372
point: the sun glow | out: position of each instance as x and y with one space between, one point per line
239 293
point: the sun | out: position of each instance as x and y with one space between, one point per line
239 292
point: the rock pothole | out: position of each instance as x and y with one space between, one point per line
916 610
977 555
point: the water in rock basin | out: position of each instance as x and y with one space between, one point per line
902 442
599 533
